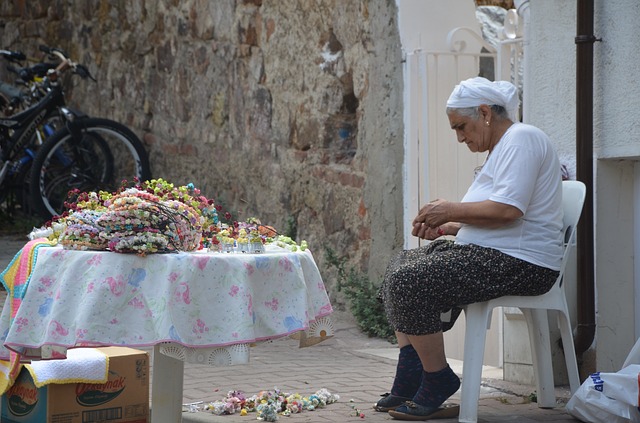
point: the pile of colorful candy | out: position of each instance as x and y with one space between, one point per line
156 216
82 231
270 404
139 222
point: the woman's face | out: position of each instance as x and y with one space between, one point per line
471 131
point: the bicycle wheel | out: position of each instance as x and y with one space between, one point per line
84 165
15 188
91 154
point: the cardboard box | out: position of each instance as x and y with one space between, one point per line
123 398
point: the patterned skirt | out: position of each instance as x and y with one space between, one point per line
423 283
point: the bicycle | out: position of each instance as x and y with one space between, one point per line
84 153
20 135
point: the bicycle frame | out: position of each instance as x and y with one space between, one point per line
24 125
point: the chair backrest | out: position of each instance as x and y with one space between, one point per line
573 195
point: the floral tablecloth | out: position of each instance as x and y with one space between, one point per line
198 300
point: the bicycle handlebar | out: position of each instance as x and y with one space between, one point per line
28 74
66 63
13 56
52 51
40 76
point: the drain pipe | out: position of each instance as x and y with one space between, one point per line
522 8
584 334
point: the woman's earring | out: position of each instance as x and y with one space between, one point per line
487 123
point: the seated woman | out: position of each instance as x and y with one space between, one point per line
508 241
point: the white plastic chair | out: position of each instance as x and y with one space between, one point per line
478 320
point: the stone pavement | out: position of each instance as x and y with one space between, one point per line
350 364
355 367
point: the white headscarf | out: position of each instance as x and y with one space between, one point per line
476 91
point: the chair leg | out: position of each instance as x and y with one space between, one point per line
569 351
476 319
538 324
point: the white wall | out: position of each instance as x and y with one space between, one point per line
422 21
616 123
617 83
552 70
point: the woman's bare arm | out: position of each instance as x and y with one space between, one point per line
488 214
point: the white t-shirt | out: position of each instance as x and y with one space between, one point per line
523 170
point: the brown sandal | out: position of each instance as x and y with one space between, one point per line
416 412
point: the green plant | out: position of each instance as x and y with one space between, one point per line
291 228
362 296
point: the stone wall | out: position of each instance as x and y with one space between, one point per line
286 110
